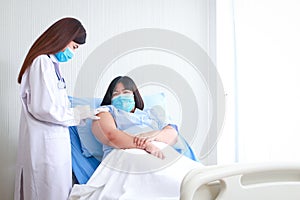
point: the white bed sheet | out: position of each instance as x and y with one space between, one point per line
134 174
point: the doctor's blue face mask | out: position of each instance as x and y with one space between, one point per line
124 102
64 56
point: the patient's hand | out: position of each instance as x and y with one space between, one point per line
141 139
154 150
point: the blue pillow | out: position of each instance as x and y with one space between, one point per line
154 100
89 144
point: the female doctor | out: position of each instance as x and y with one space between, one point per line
44 168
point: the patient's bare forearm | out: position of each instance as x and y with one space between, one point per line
167 135
113 137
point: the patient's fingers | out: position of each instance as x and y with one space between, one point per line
140 141
137 142
152 149
159 154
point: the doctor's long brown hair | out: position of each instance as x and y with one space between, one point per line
54 39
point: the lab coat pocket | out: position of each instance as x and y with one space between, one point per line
58 149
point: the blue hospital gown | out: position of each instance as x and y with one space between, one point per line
144 121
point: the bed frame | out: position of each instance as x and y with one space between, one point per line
260 181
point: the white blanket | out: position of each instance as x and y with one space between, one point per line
134 174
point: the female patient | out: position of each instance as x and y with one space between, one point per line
124 125
139 161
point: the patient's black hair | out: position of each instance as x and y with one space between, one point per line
129 85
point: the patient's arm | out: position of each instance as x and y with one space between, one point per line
106 131
167 135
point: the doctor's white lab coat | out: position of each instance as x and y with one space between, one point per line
44 152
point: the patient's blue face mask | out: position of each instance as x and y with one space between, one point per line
64 56
124 102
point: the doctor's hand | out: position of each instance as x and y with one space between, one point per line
85 112
95 112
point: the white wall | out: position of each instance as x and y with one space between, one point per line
268 70
23 21
227 68
258 58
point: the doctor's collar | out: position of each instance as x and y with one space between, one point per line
53 58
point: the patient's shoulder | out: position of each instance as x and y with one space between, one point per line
107 109
103 109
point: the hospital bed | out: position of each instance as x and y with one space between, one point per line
87 150
229 182
259 181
